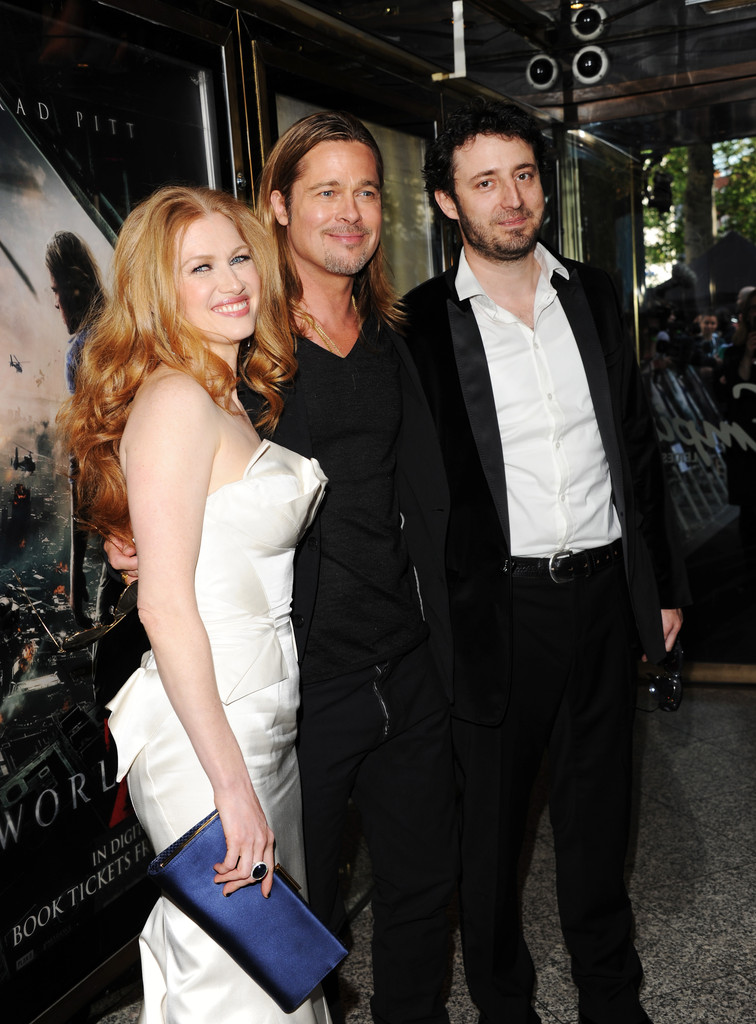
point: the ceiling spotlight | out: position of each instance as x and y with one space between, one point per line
587 22
542 72
589 65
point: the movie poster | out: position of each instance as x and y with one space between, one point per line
77 149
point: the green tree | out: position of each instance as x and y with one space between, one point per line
736 201
698 211
664 229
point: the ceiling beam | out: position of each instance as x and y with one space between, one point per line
724 76
518 17
686 97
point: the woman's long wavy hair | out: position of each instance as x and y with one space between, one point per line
141 326
373 290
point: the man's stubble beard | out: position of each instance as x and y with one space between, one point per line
509 248
349 263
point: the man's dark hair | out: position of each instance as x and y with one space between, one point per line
479 117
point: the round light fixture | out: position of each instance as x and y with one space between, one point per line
542 72
588 22
589 65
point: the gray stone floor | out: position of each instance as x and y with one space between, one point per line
691 873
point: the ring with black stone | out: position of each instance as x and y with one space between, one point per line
259 871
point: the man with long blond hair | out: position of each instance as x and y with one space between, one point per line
374 722
369 611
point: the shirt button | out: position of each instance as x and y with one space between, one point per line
550 397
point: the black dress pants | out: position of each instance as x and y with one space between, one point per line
572 693
382 736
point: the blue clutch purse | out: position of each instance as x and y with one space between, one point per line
278 941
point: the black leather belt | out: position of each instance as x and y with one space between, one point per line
564 566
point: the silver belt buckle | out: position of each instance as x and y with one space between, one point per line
554 565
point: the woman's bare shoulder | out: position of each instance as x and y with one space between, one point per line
170 384
170 393
174 406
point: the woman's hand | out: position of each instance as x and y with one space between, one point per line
249 841
122 557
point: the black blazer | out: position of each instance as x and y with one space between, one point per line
423 504
447 348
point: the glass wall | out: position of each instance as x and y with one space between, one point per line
598 211
679 266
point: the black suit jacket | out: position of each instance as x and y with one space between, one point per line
447 348
423 504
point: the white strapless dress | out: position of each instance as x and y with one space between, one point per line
243 584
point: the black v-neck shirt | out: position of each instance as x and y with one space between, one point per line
367 607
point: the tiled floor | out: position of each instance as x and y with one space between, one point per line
691 873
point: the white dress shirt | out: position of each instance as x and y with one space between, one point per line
558 488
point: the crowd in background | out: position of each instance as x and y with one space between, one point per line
695 369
